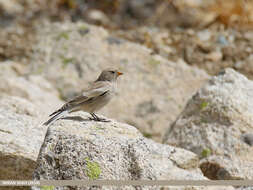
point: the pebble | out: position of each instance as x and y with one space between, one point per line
214 56
204 35
222 40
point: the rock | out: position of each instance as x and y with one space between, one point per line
214 56
21 137
15 40
24 104
226 47
215 118
204 35
225 168
140 9
75 148
33 88
97 16
11 69
221 39
152 92
11 7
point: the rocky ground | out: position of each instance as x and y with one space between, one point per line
174 90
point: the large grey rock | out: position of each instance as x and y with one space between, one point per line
152 92
12 69
216 119
21 136
79 149
33 88
24 104
226 168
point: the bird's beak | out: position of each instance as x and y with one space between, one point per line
119 73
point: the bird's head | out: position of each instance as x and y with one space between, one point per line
109 75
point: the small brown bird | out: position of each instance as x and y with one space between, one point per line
91 100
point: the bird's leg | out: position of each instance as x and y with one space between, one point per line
93 116
96 118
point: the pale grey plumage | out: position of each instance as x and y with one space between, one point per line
93 99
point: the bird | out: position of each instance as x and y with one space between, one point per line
100 92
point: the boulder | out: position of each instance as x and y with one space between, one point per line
21 137
226 168
152 91
25 103
34 89
76 148
218 121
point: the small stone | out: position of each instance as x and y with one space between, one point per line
98 16
224 168
231 38
239 64
214 56
114 40
204 35
248 35
222 40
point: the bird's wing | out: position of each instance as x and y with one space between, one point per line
96 89
70 104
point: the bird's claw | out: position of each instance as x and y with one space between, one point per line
98 119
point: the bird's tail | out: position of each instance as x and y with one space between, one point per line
55 117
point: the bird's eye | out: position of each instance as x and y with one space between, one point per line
112 72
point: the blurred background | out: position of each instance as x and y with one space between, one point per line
143 21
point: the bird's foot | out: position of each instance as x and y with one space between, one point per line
102 120
98 119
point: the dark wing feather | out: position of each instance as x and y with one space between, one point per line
77 100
